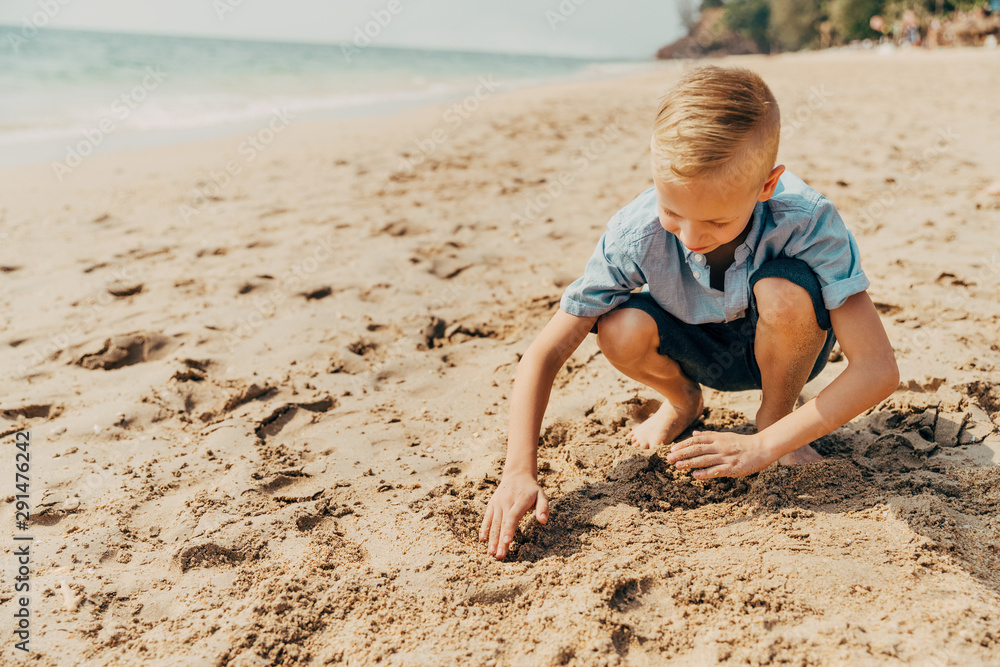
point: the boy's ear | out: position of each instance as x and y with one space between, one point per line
771 183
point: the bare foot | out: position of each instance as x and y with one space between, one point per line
666 423
801 456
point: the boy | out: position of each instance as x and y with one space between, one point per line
749 276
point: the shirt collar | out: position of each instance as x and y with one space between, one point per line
745 248
752 239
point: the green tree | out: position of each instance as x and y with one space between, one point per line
750 19
850 17
792 23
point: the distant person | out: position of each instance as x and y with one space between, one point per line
825 34
748 276
877 23
911 28
934 34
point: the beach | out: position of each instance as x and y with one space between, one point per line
267 381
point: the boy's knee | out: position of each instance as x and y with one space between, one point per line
783 304
624 335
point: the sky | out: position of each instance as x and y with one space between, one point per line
581 28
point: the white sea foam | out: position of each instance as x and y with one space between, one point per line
65 86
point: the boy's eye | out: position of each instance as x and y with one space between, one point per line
718 224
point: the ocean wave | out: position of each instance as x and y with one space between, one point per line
201 110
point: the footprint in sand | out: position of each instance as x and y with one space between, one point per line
279 418
207 555
122 289
317 293
127 350
887 308
33 411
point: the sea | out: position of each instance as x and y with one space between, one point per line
63 92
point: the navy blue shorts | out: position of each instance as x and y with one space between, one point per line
721 355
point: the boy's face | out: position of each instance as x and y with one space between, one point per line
705 215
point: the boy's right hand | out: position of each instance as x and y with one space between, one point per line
516 494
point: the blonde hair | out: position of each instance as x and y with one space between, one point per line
721 123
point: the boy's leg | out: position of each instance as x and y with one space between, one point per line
629 338
787 342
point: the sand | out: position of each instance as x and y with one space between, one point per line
268 397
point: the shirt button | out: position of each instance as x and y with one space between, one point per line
696 274
699 258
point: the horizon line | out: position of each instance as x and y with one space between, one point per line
271 40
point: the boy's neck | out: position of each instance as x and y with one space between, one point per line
724 255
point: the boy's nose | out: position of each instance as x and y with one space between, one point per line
689 239
684 233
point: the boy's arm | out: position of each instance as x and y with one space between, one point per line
871 375
518 490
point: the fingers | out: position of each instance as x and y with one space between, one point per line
507 532
711 472
699 438
510 521
690 451
484 528
702 461
495 529
542 508
499 523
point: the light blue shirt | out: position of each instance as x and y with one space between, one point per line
636 251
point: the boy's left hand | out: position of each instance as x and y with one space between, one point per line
720 454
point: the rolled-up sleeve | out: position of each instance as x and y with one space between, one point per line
829 248
610 275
